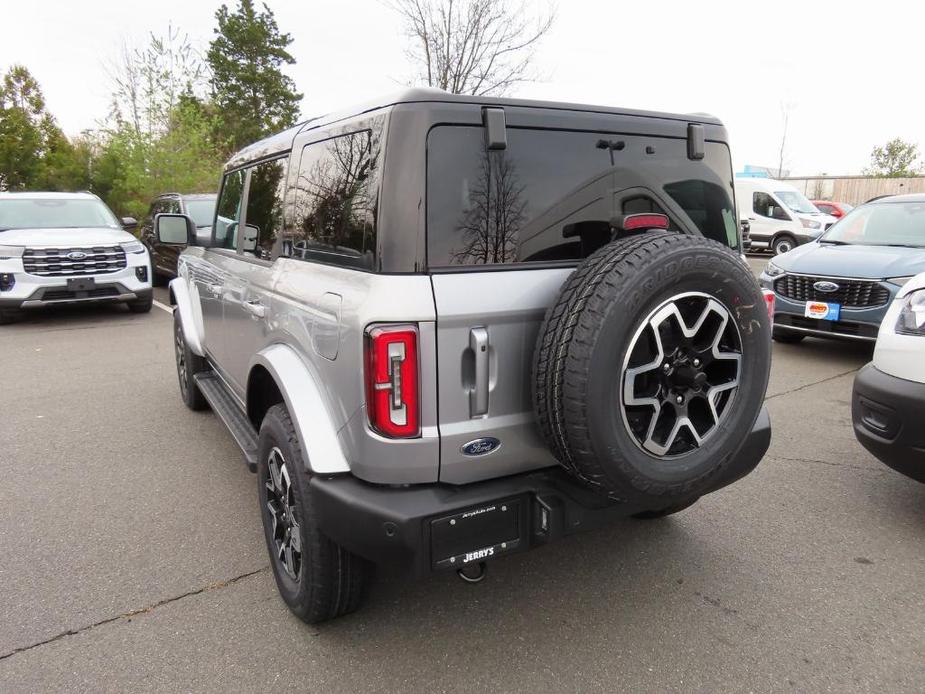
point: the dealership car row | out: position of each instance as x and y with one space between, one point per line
850 275
853 282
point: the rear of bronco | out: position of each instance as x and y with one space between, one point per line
551 327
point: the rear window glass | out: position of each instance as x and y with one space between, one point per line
550 195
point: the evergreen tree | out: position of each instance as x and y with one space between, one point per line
253 96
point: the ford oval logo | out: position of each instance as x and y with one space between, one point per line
483 446
76 255
826 286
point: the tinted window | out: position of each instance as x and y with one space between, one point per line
334 202
172 205
550 195
822 207
229 210
264 218
202 210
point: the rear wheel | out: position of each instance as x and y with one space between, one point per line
783 243
317 578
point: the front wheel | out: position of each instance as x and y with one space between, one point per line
9 315
786 337
142 305
317 578
188 365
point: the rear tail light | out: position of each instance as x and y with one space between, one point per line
392 383
769 302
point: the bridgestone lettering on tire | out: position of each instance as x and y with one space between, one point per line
651 367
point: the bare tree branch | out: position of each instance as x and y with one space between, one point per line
477 47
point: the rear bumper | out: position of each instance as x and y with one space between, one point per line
439 526
887 413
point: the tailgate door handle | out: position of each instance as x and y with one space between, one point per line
478 396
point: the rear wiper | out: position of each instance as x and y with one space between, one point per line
834 242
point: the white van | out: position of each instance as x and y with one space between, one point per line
780 216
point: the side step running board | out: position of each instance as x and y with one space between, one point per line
227 409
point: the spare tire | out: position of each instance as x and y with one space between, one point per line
651 367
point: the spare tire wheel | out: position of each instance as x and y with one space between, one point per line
651 367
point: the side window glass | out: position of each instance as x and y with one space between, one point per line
264 219
763 204
767 206
334 205
173 206
229 210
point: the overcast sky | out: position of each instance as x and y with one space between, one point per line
853 77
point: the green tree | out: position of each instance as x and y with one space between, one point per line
249 89
28 133
897 158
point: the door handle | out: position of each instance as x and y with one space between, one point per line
753 219
478 396
255 308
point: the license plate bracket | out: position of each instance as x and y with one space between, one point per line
478 533
81 284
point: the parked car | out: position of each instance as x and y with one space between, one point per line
835 209
369 324
780 216
841 285
60 248
888 403
199 207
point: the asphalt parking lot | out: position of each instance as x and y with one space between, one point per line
132 555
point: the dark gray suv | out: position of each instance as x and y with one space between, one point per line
445 329
200 207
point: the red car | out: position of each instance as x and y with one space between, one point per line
836 209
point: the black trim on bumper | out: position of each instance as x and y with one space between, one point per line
840 329
887 413
55 295
395 525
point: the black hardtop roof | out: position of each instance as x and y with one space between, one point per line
427 97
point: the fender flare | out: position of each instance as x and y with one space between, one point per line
304 400
192 329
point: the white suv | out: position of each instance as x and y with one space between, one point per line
888 406
68 247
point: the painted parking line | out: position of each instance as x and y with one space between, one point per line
163 307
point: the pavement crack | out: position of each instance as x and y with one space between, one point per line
830 463
814 383
142 610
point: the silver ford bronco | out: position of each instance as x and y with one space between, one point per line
444 329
